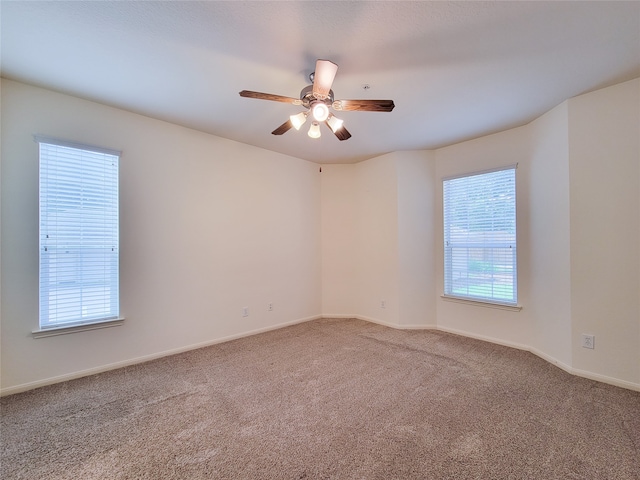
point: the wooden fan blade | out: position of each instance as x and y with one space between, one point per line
342 133
364 105
283 128
269 96
323 78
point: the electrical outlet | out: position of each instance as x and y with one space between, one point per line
588 341
383 304
270 307
245 311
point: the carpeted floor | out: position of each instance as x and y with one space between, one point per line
328 399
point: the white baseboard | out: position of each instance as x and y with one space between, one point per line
567 368
145 358
484 338
554 361
394 325
605 379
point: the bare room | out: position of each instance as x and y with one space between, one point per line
320 240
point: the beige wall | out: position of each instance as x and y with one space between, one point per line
498 150
208 226
578 214
417 233
547 202
339 240
604 163
360 240
378 239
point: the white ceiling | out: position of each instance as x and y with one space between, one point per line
456 70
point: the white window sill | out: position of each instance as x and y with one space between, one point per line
480 303
83 327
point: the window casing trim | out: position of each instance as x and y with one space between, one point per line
513 166
514 307
76 327
81 146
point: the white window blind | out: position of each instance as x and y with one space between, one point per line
480 258
78 234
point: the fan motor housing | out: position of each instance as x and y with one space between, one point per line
308 99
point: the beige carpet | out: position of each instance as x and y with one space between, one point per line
328 399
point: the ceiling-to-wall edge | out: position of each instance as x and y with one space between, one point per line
541 328
488 142
208 227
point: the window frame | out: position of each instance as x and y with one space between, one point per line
448 293
110 226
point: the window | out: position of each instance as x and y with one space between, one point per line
480 260
78 234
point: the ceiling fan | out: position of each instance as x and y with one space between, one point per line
318 100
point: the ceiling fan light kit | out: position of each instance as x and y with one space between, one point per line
334 123
314 130
320 111
318 99
298 120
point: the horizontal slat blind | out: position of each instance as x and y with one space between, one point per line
78 234
480 236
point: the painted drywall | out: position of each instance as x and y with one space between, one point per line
213 228
547 203
208 226
578 200
378 239
417 231
604 161
339 240
578 187
498 150
578 197
376 256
